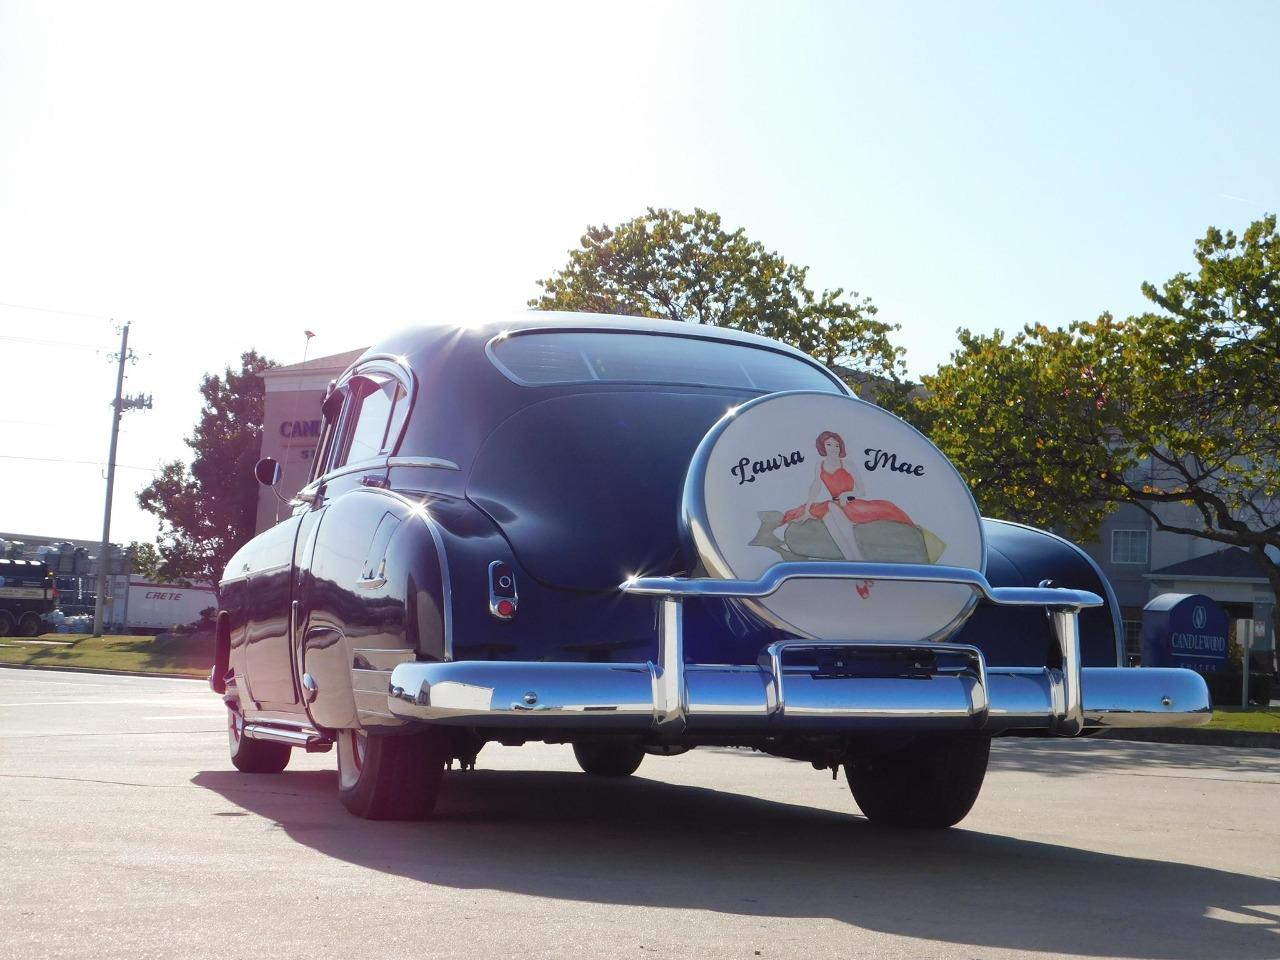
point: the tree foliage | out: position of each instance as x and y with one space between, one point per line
687 267
145 560
208 510
1176 411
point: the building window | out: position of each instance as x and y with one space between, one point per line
1129 546
1133 641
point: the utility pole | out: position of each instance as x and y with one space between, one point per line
103 550
118 406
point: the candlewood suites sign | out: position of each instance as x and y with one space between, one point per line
1184 630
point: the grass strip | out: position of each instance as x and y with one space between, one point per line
1255 719
177 655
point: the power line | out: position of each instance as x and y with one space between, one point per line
53 343
89 463
65 313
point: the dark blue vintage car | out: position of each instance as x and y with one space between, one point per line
640 537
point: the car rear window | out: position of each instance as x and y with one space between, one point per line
554 357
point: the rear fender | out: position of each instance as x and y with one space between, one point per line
1022 556
221 653
550 623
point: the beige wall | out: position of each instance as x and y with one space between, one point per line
292 428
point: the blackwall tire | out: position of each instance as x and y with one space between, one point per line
391 776
29 625
606 758
253 756
930 784
7 624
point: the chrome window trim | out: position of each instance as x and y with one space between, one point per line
391 365
376 463
780 349
1116 627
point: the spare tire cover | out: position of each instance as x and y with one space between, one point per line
812 476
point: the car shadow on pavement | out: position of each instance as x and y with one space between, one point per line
654 844
1066 757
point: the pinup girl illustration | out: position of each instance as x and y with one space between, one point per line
836 498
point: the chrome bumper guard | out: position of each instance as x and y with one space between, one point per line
948 686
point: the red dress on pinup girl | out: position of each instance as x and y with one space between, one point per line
858 511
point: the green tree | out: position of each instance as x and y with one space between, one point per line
686 266
145 560
1175 411
207 511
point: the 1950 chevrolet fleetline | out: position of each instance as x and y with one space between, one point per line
639 537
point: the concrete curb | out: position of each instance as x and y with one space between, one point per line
1199 736
103 672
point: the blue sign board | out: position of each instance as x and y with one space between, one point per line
1184 630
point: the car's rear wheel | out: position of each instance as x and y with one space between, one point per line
608 758
930 783
253 756
29 625
391 776
6 624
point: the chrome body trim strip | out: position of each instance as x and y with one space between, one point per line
360 466
436 463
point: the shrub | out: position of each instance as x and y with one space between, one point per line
1224 688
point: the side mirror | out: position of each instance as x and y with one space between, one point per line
267 471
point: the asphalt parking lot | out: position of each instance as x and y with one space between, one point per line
126 833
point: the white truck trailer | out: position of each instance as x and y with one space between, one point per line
159 606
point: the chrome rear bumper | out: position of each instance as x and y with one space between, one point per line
602 696
942 686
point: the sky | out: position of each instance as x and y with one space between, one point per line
224 175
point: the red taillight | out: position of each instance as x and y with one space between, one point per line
503 597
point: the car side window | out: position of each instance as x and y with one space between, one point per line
376 407
330 412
